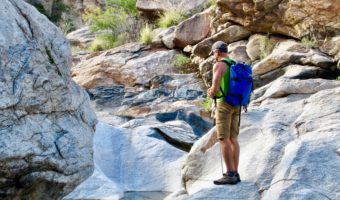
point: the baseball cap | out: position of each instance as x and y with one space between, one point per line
220 45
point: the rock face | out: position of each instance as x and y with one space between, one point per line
292 52
127 65
186 6
131 160
135 81
192 30
98 186
288 146
228 35
46 124
81 38
293 18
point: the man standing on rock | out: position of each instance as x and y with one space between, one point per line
227 116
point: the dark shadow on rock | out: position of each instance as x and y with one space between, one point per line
185 146
198 124
107 96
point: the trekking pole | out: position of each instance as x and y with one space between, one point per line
221 158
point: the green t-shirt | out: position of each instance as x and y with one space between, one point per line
224 85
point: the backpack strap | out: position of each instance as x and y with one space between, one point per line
228 62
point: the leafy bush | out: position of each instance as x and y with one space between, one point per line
58 9
209 3
265 46
146 35
106 41
67 26
112 23
128 5
181 60
110 19
184 64
170 18
109 22
309 42
41 9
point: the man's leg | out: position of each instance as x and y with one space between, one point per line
236 152
233 138
227 152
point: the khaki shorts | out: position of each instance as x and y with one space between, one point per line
227 118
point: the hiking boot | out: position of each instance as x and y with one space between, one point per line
237 176
226 179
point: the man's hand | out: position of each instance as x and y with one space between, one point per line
210 93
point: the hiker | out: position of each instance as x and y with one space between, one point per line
227 116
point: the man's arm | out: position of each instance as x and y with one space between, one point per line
218 71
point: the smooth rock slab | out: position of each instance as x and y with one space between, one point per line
136 161
98 186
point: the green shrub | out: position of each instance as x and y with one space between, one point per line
58 8
106 41
67 26
170 18
209 3
181 60
128 5
309 42
146 35
265 46
41 9
110 22
184 64
110 19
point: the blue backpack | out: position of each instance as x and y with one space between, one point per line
240 84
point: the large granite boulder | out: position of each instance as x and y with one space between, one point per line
131 64
192 30
332 47
131 160
82 37
294 52
297 19
46 123
152 7
260 46
231 34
